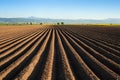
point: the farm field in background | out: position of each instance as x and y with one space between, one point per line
59 52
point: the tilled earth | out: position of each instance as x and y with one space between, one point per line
58 53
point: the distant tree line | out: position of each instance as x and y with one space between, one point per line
62 23
29 23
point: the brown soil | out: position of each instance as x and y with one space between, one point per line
69 52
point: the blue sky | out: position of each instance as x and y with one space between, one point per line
61 9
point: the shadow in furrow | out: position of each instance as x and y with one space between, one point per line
79 72
108 44
98 49
14 51
27 60
17 39
15 58
100 58
58 72
96 43
39 68
97 69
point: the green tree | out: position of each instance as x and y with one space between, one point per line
58 23
41 23
30 23
62 23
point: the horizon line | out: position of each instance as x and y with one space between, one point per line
64 18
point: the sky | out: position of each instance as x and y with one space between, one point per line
61 9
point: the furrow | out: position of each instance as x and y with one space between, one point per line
16 46
47 73
17 34
66 67
17 53
100 49
6 43
97 67
108 48
108 62
111 45
58 69
55 52
27 71
13 38
84 72
22 53
6 39
13 42
16 66
40 66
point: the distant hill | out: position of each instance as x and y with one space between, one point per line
67 21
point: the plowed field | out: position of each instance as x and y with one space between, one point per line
58 53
